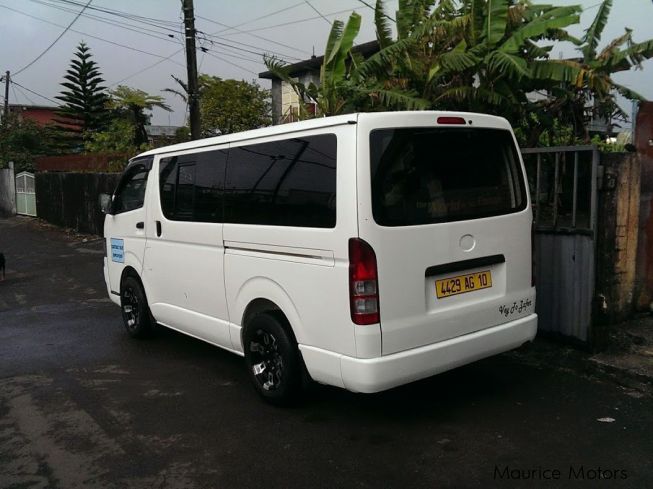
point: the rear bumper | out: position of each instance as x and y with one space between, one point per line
381 373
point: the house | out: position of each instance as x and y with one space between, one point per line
285 101
161 135
40 114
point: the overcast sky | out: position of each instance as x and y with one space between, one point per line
289 28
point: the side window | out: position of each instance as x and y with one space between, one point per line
290 182
191 186
130 193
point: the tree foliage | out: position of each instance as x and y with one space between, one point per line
21 140
118 137
478 55
131 104
228 106
84 98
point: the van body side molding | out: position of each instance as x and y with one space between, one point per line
457 266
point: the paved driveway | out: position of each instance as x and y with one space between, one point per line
82 405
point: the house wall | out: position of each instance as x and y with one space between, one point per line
7 191
71 199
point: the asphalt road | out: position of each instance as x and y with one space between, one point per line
82 405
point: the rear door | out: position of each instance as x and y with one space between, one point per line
445 208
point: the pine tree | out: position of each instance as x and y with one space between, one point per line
84 110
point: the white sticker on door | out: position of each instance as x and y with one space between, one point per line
117 250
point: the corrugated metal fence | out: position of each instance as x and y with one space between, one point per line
563 184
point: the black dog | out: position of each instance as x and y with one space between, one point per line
2 265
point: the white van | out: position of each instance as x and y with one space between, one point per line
365 250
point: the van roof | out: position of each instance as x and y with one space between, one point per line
307 124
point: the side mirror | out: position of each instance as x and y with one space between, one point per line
105 203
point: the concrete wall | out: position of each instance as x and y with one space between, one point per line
71 199
644 143
618 232
7 191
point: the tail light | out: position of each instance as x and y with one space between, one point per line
533 266
363 283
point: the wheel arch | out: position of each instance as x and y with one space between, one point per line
260 295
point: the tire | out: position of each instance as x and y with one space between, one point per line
272 359
136 314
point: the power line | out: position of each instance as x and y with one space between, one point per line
268 15
24 94
298 21
160 23
168 58
91 35
317 12
33 92
55 41
254 35
230 63
130 27
220 43
373 8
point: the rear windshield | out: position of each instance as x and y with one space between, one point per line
430 175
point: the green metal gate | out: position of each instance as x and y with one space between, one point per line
25 194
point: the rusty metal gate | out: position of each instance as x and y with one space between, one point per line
563 184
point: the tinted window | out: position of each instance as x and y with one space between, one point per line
130 193
191 186
284 183
429 175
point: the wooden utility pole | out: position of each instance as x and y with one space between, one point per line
5 117
191 67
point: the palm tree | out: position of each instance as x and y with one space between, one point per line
132 103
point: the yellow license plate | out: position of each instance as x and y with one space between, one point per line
461 284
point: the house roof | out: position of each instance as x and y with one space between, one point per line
13 107
153 130
313 63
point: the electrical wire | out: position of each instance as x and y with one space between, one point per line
168 58
230 63
34 93
91 35
18 72
130 27
266 16
373 8
24 94
254 35
317 12
160 23
298 21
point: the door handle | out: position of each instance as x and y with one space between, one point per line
140 225
158 229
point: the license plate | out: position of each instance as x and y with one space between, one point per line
462 284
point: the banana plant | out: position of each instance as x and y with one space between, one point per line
586 81
346 81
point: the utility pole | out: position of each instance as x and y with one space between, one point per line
5 117
191 67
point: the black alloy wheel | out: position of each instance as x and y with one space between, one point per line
272 359
135 311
